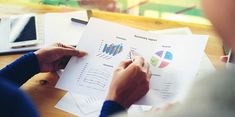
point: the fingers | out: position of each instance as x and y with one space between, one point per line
141 69
82 53
71 52
138 60
146 67
124 64
224 59
66 50
149 75
63 46
147 70
140 63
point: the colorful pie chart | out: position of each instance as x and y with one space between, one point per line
161 59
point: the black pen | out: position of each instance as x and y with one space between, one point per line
79 21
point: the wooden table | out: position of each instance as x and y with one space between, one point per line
41 87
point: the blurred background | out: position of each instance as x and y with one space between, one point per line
178 10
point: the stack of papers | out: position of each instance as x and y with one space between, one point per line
80 105
175 56
58 27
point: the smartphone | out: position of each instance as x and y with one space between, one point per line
22 30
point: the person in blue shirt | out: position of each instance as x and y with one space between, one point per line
210 97
15 103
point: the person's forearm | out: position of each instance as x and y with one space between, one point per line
110 107
21 70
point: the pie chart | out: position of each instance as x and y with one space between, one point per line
161 59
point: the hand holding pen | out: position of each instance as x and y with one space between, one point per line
130 81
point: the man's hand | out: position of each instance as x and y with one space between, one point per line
56 57
130 82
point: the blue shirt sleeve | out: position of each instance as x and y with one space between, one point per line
110 107
21 70
14 103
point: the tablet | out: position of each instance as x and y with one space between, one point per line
22 30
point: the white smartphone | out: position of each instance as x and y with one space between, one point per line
22 30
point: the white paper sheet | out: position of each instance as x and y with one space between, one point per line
91 75
79 105
58 27
74 104
68 104
174 61
173 31
171 82
87 104
206 67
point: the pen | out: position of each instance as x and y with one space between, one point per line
132 54
230 57
79 21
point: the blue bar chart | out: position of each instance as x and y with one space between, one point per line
107 51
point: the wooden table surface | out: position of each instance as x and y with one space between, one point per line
41 87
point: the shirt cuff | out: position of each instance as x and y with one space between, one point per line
110 108
22 69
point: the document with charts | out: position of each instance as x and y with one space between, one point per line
174 61
107 44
